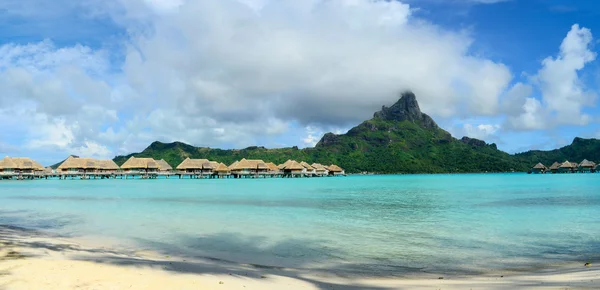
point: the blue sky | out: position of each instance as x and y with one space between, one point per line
101 78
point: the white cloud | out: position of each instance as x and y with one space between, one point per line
481 131
564 94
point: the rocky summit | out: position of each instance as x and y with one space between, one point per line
406 109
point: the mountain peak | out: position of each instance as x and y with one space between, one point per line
406 109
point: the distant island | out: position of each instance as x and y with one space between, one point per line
398 139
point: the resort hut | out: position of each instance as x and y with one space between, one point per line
107 166
259 166
320 170
292 168
48 170
76 165
554 167
193 166
308 169
539 168
209 167
247 167
221 170
567 167
587 166
7 166
233 165
335 170
282 166
27 166
140 165
273 169
163 166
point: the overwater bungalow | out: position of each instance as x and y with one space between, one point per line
107 167
308 170
587 166
27 166
208 168
247 167
273 169
335 170
222 170
320 170
554 167
143 166
48 170
7 167
163 166
567 167
192 166
292 168
78 166
539 168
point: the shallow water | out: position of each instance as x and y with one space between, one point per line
372 225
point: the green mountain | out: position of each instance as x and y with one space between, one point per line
398 139
578 150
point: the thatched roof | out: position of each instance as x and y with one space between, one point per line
210 165
568 164
189 163
48 170
233 165
140 163
282 166
587 164
221 168
249 164
107 165
554 166
292 165
318 167
272 166
7 163
26 163
76 162
163 165
539 166
307 166
334 168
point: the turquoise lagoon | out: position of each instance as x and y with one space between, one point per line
366 225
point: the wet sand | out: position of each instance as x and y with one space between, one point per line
35 260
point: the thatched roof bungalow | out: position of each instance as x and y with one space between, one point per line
192 165
26 165
273 168
247 166
554 167
567 167
7 166
163 166
107 166
308 168
539 168
586 166
140 164
320 169
292 167
78 165
335 170
221 169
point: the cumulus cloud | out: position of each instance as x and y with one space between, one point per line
563 93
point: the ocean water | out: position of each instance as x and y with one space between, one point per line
364 225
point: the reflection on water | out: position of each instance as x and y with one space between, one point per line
356 225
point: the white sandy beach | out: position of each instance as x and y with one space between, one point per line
32 260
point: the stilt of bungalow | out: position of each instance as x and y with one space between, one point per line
587 166
222 171
7 168
191 168
143 167
539 168
335 170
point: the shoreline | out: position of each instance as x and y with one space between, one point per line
32 259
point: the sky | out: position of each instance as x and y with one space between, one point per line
99 78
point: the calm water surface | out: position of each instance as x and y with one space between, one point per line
359 225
